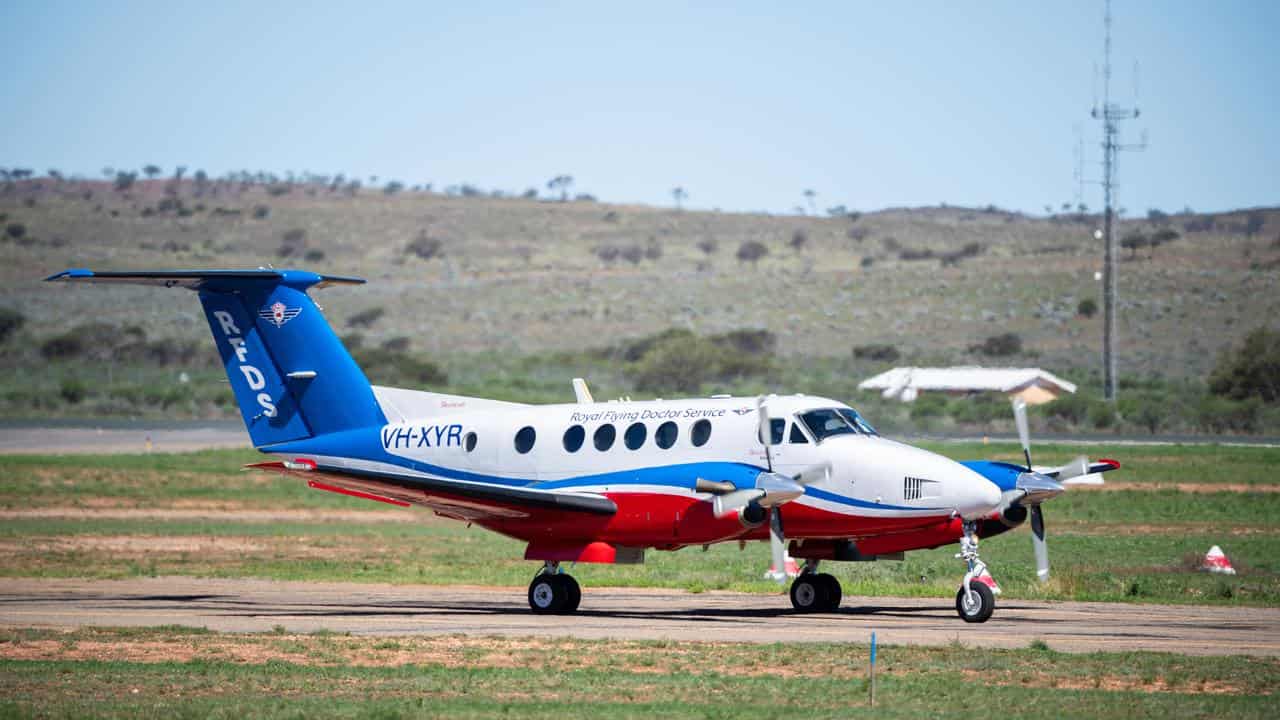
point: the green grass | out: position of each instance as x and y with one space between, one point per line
271 676
1137 545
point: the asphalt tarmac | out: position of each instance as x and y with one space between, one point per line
366 609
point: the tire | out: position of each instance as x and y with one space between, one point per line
548 594
986 603
834 591
809 594
573 594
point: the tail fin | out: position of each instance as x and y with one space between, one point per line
291 375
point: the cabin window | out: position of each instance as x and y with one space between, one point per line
797 435
776 428
470 441
525 439
700 433
666 435
573 438
635 435
604 437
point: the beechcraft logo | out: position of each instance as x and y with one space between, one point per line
278 314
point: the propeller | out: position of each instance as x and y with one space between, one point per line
1036 487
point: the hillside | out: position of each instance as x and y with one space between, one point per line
516 277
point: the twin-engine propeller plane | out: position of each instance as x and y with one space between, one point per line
602 482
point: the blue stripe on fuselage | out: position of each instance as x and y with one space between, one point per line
1003 474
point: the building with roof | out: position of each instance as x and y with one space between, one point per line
1033 385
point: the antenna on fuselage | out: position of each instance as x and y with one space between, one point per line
581 392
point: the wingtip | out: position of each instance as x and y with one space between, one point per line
70 274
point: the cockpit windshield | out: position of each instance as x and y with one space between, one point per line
827 422
857 421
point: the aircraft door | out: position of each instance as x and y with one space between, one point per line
794 451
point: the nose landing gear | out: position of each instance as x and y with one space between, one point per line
813 591
553 592
974 600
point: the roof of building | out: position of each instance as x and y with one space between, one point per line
965 379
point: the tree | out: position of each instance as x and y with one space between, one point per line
561 184
1088 307
679 195
751 251
1157 217
125 180
151 171
810 196
1252 371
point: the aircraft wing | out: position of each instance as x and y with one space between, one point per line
458 499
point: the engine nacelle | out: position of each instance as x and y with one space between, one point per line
1008 519
752 515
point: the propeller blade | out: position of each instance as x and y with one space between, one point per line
1020 419
778 544
732 502
766 436
1039 544
1075 468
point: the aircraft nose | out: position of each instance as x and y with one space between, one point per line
976 495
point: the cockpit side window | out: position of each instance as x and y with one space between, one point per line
857 421
827 422
797 435
777 426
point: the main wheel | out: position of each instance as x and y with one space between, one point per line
574 594
548 594
979 608
834 591
809 594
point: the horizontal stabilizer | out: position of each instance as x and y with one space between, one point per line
204 279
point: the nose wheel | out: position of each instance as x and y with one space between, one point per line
553 592
975 600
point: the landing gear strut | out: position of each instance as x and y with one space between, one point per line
813 591
553 592
974 600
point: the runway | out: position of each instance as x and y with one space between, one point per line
367 609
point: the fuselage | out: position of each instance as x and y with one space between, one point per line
649 457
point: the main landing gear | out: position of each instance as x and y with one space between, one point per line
553 592
974 600
813 591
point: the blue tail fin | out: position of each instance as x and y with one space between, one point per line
291 376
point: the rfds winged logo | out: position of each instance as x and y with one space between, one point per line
279 314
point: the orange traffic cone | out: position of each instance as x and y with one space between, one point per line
1215 561
789 567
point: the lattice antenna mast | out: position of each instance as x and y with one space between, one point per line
1111 115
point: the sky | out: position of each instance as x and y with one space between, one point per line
744 105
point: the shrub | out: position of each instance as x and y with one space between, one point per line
653 251
314 255
393 187
708 245
396 344
292 242
261 212
908 254
1072 407
632 254
607 253
1251 371
866 261
1102 414
753 342
1088 307
682 365
15 230
425 246
72 390
61 347
929 405
751 251
879 353
999 345
10 322
858 233
366 318
1220 415
799 238
393 368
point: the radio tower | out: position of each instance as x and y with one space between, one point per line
1111 115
